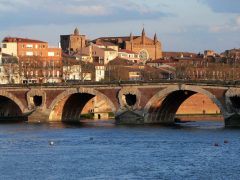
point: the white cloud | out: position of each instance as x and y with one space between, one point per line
141 6
81 7
231 26
6 8
238 20
86 10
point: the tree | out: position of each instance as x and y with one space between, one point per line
11 69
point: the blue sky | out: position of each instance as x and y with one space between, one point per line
189 25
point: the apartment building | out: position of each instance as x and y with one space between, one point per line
38 62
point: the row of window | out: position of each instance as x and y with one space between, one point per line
32 46
42 63
44 73
129 55
28 46
36 53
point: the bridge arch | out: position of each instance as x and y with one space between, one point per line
85 94
232 98
168 100
14 99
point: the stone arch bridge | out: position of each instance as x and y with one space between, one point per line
135 103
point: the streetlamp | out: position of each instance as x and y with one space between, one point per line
169 70
109 78
203 107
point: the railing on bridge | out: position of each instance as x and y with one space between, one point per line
139 82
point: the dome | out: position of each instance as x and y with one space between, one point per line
76 31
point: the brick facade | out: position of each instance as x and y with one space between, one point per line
73 42
146 47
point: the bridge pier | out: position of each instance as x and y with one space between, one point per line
128 116
135 117
39 115
233 121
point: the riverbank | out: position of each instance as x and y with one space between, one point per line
200 117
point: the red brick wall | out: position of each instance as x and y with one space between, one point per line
197 104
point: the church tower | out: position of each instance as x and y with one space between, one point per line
143 36
155 44
73 42
76 32
155 39
131 41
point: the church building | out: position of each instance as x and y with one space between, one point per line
73 42
145 47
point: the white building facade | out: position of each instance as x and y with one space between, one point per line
99 73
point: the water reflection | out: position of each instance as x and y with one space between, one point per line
103 150
204 124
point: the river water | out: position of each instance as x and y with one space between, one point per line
105 151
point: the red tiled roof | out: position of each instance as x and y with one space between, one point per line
120 61
16 39
124 38
98 64
127 51
105 43
178 54
160 61
108 49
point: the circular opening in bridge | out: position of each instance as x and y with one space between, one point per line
131 99
235 100
37 100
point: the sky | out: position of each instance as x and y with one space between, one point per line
181 25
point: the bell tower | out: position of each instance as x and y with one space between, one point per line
131 41
143 36
155 44
76 32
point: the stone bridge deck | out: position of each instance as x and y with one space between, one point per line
132 102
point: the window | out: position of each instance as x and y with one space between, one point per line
23 45
29 53
4 46
22 53
29 46
50 53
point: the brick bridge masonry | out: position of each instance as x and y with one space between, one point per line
131 103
